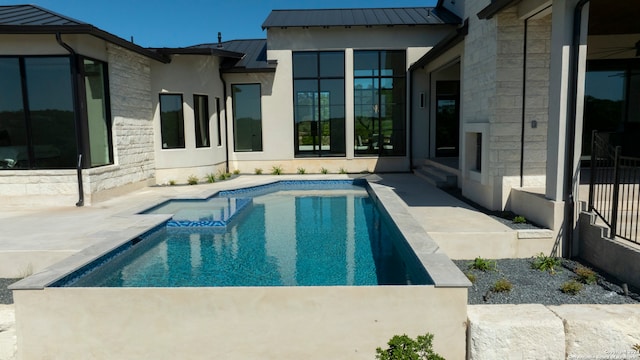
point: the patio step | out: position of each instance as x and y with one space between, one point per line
437 176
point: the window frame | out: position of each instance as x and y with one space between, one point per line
197 128
235 125
318 106
377 77
181 135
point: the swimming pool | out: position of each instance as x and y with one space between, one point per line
239 322
289 233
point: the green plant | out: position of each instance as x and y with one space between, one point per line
276 170
519 220
636 347
301 170
402 347
502 285
482 264
324 170
227 175
236 172
543 262
258 171
192 180
343 170
571 287
586 275
172 182
471 276
211 177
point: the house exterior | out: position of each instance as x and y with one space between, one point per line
493 92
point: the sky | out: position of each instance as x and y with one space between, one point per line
173 23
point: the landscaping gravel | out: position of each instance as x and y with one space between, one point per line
532 286
5 294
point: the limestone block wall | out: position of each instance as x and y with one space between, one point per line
132 116
492 93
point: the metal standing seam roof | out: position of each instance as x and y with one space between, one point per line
31 19
361 17
255 55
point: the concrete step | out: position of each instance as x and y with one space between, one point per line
437 176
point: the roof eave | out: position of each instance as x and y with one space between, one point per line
199 51
444 45
82 29
495 7
242 70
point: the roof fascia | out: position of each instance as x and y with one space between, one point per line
495 7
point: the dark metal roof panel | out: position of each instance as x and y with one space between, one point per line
360 17
255 55
31 15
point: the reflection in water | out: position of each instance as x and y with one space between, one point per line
284 239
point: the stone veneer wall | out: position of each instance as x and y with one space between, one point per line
492 94
132 114
131 110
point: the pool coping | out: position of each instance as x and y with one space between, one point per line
439 266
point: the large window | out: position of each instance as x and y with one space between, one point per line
172 121
37 117
379 98
201 117
318 87
98 114
612 105
247 117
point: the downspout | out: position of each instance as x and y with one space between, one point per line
524 99
74 62
410 120
571 128
226 123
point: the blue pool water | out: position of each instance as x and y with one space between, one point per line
288 234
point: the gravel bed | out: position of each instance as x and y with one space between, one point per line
5 294
531 286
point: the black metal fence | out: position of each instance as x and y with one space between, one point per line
614 192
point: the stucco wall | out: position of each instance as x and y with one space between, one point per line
188 75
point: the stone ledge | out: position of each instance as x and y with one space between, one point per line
535 331
535 234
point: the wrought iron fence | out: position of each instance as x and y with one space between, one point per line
614 192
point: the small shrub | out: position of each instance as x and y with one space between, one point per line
258 171
543 262
471 276
222 176
405 348
571 287
519 220
192 180
482 264
236 172
211 178
586 275
636 347
502 285
276 170
324 170
227 175
172 182
343 170
301 170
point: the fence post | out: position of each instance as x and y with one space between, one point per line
592 173
616 192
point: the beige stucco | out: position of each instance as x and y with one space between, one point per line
235 323
189 75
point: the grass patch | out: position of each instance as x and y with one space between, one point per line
324 170
586 275
276 170
571 287
482 264
301 170
543 262
502 285
257 171
192 180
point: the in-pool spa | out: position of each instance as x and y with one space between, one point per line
290 233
